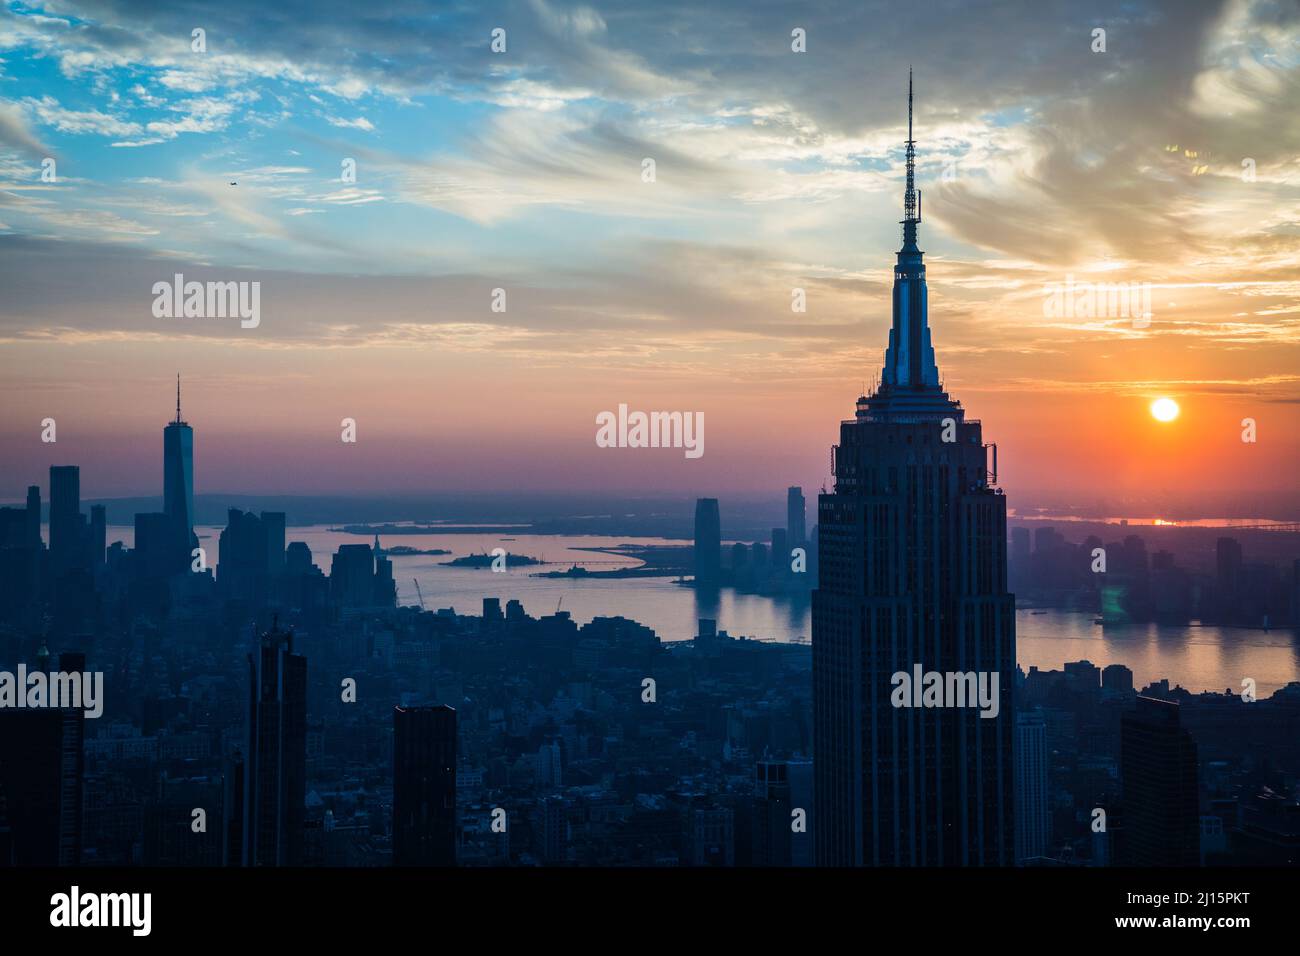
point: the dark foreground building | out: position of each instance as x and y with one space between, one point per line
275 771
424 786
912 571
1157 765
41 779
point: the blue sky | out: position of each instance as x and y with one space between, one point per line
1040 157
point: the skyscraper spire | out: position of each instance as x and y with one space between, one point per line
911 198
912 551
909 384
178 485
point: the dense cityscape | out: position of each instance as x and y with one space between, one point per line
540 717
257 711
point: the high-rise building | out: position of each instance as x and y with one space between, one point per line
275 767
66 539
1033 809
552 829
912 574
1228 576
20 564
42 773
352 576
178 486
708 543
424 786
771 833
780 549
153 543
273 527
34 516
98 534
795 518
1157 768
1020 547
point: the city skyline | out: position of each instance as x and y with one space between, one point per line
523 173
546 486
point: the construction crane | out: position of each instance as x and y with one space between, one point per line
419 594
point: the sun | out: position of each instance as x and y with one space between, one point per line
1164 409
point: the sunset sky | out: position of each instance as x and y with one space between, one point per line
1172 158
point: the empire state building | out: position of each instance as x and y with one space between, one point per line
912 581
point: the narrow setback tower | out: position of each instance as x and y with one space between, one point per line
178 486
912 571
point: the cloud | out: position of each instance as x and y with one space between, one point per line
359 123
15 135
49 112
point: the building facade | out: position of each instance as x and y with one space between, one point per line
912 573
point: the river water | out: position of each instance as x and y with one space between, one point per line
1198 658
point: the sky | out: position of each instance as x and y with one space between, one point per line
1163 154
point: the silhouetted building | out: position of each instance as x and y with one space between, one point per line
252 551
780 550
708 543
713 837
795 518
273 526
20 564
178 487
1269 834
352 576
1033 809
153 562
275 772
1117 678
771 833
1159 775
1231 583
152 544
552 829
424 786
1227 562
912 573
67 538
1083 676
1020 549
34 516
41 777
98 534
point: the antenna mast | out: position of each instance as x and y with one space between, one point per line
911 203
